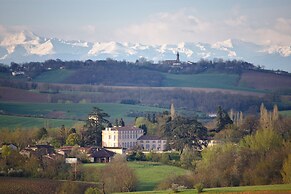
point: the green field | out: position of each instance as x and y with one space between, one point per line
286 113
54 76
149 173
68 111
266 189
16 122
201 80
206 80
211 80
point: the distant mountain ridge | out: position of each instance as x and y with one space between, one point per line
26 47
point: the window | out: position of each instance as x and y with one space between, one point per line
141 141
147 146
154 141
109 136
153 146
147 141
159 141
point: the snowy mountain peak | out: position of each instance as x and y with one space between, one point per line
26 46
23 37
224 44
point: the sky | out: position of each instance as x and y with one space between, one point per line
266 22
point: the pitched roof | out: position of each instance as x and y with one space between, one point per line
126 128
150 137
101 153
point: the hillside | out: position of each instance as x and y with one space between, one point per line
234 75
194 87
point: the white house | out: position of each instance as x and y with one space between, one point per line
125 137
154 143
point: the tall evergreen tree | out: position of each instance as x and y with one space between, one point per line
222 119
62 135
185 131
121 123
94 125
116 122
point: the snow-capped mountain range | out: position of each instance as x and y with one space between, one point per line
26 46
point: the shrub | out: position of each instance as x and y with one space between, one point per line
199 187
117 176
177 188
185 180
69 187
2 173
92 190
15 173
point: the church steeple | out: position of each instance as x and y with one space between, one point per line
178 57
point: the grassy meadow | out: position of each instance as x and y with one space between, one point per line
201 80
16 185
264 189
67 114
286 113
149 173
18 122
54 76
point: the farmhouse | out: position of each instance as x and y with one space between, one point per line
154 143
38 151
97 154
125 136
94 154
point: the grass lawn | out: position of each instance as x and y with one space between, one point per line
54 76
16 122
266 189
206 80
286 113
203 80
150 173
75 111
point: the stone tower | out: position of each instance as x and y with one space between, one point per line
178 57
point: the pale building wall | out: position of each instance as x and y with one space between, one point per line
153 144
113 137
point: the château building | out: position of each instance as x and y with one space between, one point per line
121 136
127 137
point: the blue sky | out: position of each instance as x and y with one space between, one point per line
151 21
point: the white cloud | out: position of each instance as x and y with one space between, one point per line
237 21
164 28
184 26
90 29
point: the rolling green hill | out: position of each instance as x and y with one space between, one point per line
54 76
67 114
18 122
203 80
